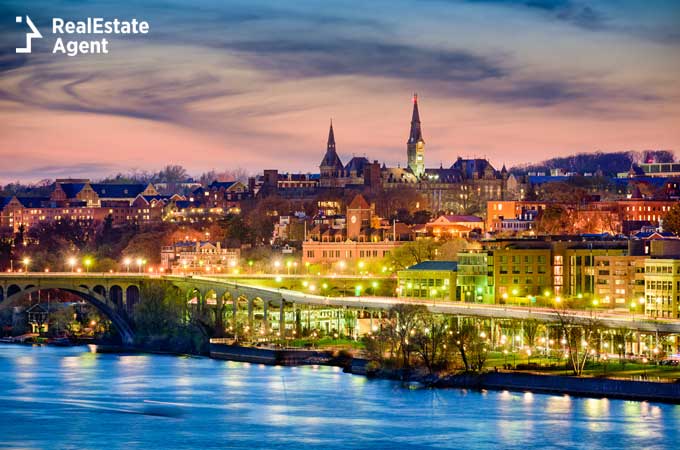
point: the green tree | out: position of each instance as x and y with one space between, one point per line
671 221
160 310
414 252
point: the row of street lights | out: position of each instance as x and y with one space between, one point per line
87 263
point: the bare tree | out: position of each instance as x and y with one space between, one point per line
430 340
471 345
404 329
579 336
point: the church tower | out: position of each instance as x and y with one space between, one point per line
415 147
331 166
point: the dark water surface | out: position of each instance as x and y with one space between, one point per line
63 398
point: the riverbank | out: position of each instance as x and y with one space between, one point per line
559 384
498 381
546 384
279 356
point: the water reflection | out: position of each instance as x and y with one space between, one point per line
57 398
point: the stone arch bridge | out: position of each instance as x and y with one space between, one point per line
117 294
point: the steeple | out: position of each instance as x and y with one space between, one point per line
416 134
415 147
331 139
330 166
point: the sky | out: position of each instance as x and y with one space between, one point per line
221 84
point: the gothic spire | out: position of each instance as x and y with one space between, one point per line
331 138
416 133
331 160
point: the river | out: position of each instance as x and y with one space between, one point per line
69 398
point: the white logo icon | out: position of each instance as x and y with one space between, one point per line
34 34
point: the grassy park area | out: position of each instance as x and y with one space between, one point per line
612 367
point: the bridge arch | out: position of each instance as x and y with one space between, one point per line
116 296
98 301
13 289
131 298
99 289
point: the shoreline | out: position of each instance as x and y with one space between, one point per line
650 391
585 387
640 391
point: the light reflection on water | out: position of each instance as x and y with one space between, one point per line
66 397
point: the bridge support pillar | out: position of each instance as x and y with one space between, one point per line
234 302
266 316
250 313
282 319
297 327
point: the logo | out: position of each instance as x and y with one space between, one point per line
34 34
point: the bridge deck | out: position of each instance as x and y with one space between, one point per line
607 318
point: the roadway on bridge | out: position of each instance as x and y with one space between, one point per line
609 319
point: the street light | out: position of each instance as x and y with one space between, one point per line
87 262
140 261
72 263
127 262
26 262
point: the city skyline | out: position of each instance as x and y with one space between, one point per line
241 84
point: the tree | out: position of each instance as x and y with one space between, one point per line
530 330
160 310
466 338
147 245
403 329
422 216
554 219
414 252
430 339
172 174
620 335
5 252
671 221
579 338
389 202
62 320
449 250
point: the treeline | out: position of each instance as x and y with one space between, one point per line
412 338
609 163
164 321
170 174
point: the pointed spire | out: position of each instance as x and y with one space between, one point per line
416 133
331 160
416 116
331 138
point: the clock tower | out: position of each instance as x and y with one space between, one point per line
358 217
415 147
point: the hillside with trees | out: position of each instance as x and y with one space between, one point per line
609 163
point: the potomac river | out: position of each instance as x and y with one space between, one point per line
69 398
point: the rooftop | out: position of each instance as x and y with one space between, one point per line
436 265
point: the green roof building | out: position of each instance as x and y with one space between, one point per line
429 280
